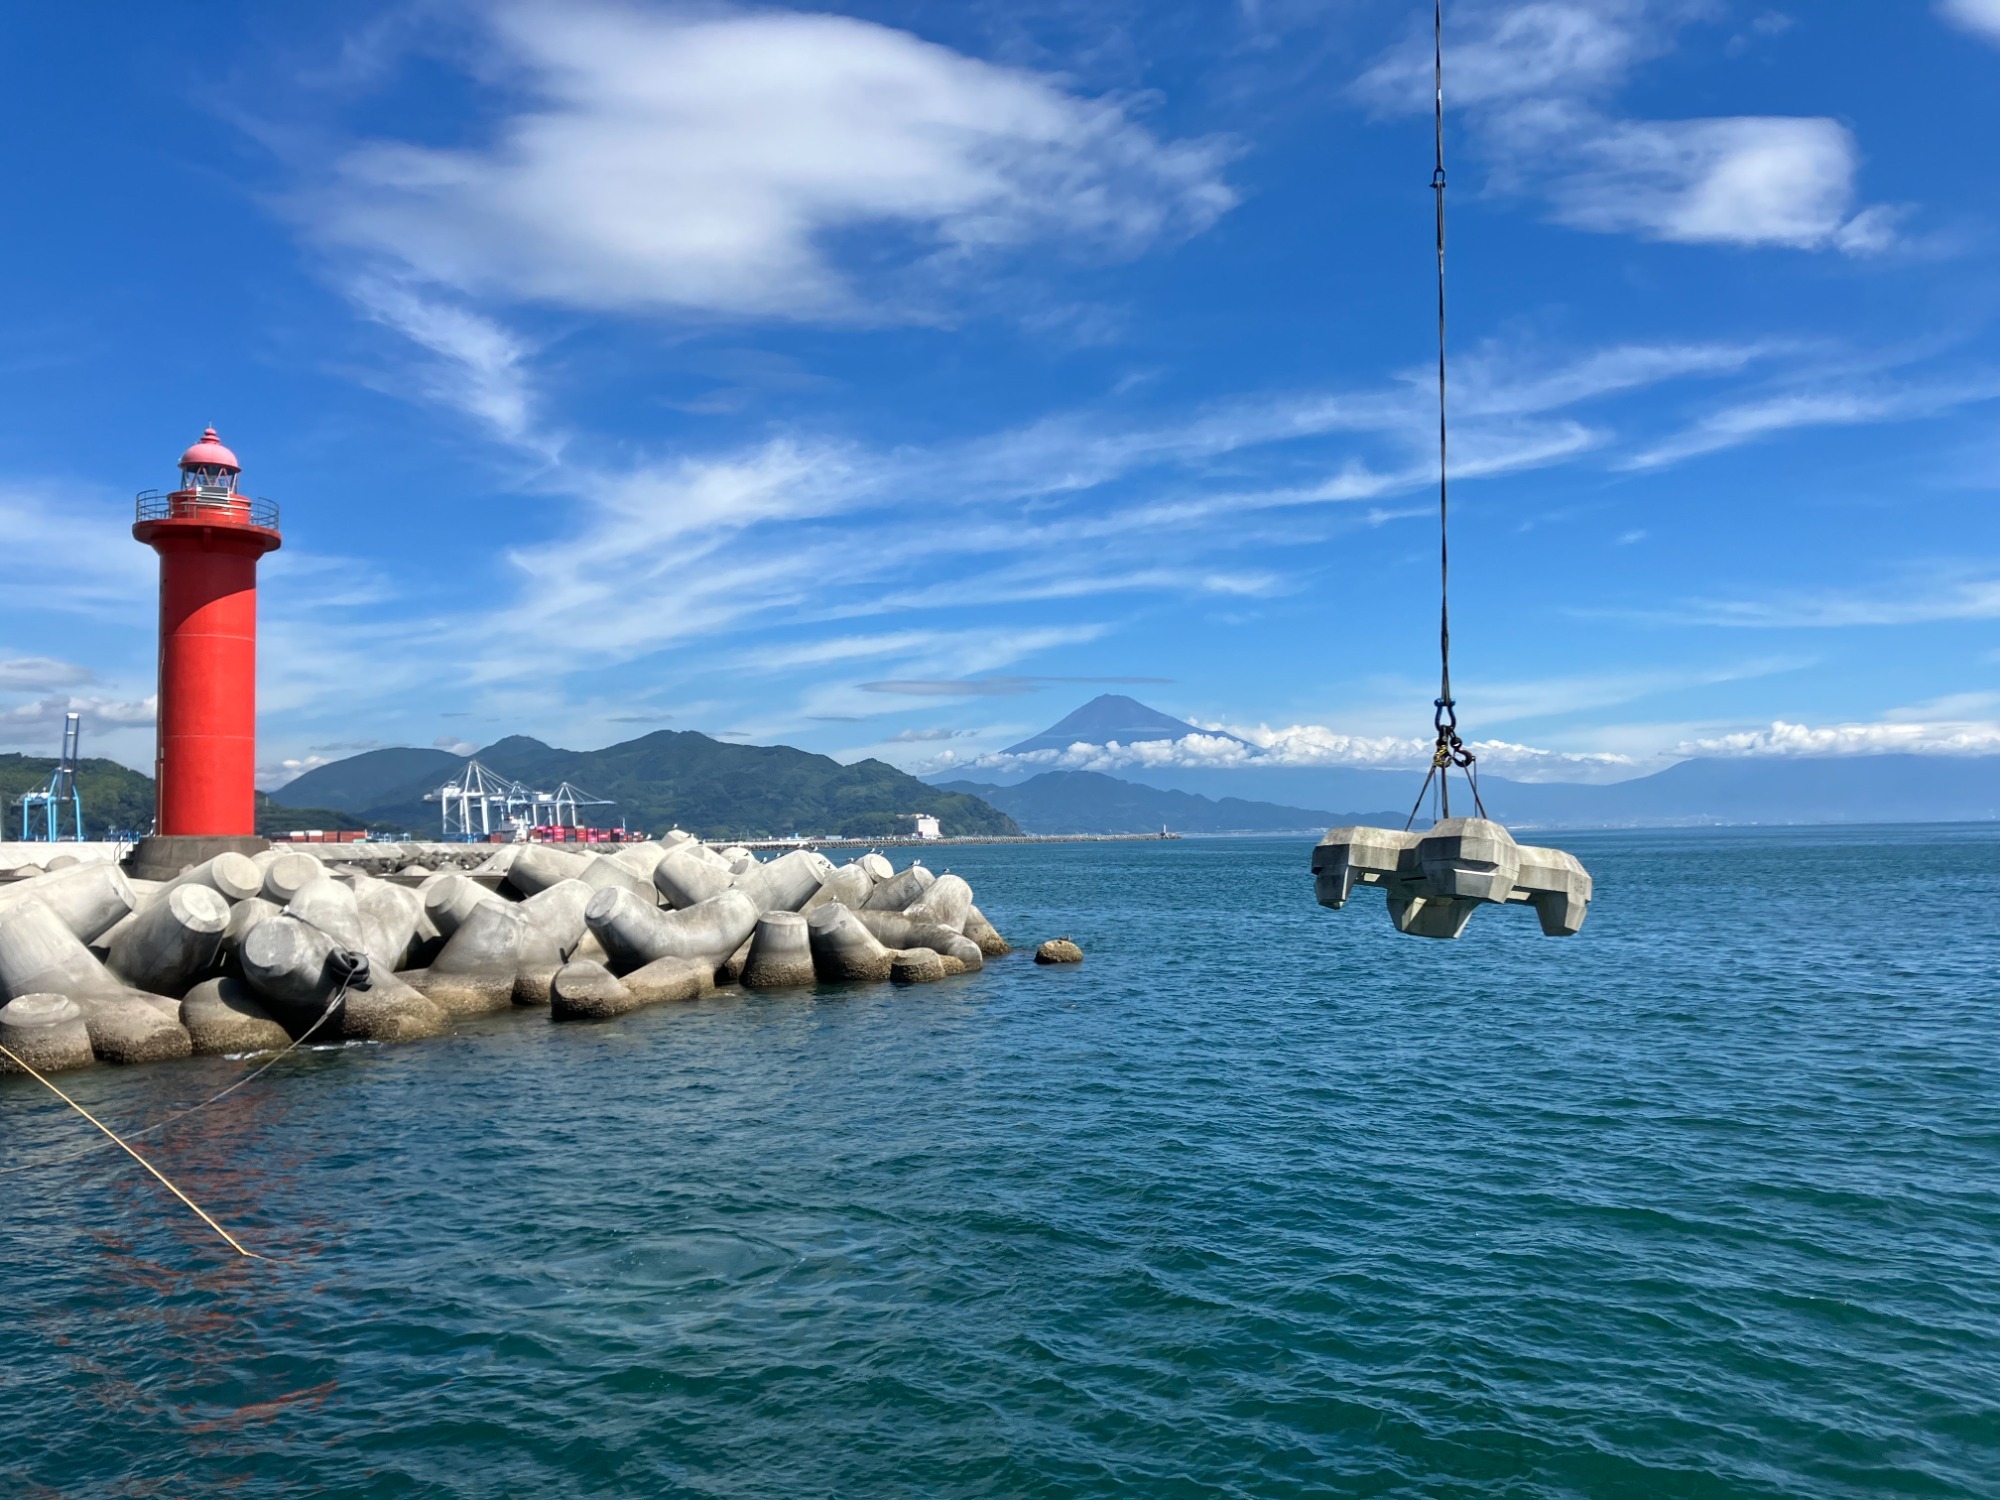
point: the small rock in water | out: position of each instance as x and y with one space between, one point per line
1059 951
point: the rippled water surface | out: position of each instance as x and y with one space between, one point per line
1263 1200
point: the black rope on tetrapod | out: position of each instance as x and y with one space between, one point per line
350 972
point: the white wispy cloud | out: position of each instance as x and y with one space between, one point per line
1928 600
707 160
478 367
1747 421
1536 79
1980 17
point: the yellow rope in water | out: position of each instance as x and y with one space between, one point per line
249 1254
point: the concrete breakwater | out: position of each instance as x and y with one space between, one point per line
246 953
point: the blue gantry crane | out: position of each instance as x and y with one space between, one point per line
61 796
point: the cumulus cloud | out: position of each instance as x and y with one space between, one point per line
1980 17
708 160
38 726
33 674
1894 737
1297 745
453 744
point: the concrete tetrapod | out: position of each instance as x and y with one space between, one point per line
87 899
172 942
895 929
894 895
671 979
558 910
946 902
285 961
331 907
780 953
1436 880
453 898
536 867
843 949
486 960
985 934
232 876
40 955
635 934
128 1027
390 916
601 872
683 879
243 916
916 966
46 1032
786 883
289 873
223 1016
1059 951
589 992
877 866
850 885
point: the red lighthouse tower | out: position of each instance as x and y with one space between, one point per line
209 537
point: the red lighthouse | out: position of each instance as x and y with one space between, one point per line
209 537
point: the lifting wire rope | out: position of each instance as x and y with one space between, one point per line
1449 750
350 971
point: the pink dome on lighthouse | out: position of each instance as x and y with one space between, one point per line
209 453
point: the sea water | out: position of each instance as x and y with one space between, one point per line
1261 1200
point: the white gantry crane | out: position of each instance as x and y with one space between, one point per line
59 796
479 803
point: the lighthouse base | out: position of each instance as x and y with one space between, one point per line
163 856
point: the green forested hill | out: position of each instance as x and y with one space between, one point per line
665 779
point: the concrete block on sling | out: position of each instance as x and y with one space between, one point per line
223 1016
46 1032
1435 880
780 953
172 942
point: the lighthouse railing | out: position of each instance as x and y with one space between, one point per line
206 504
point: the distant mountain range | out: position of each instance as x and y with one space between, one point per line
662 779
1747 790
1088 802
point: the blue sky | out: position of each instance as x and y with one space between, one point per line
888 381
